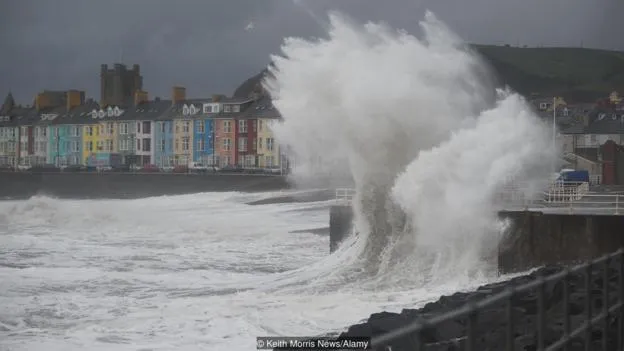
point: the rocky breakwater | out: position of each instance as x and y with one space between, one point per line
534 316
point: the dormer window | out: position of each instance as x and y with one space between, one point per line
227 108
236 108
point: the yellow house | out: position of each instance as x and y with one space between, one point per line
183 141
106 141
267 149
89 139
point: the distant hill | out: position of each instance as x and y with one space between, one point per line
576 74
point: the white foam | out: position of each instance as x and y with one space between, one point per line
423 132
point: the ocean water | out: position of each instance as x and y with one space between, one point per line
192 272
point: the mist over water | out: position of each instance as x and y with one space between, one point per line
419 125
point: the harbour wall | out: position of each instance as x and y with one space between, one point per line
340 225
535 239
21 185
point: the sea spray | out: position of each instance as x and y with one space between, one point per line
419 127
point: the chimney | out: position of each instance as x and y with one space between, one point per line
74 98
178 94
42 100
217 97
140 97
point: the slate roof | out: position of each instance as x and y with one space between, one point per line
262 108
149 110
19 116
606 122
77 115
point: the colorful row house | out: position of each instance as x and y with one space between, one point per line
219 131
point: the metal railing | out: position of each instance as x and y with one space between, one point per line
564 198
584 330
567 191
345 195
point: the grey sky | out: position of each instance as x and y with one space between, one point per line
203 44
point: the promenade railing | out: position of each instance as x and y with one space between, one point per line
610 312
565 198
345 195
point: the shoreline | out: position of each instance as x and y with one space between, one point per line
128 185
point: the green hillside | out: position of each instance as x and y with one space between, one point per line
577 74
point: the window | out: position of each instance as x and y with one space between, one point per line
226 160
147 127
185 143
44 131
162 145
185 127
269 144
253 144
55 147
227 108
177 145
242 144
138 127
56 132
268 161
236 108
139 144
260 125
254 125
200 145
75 146
100 145
123 128
89 146
259 143
207 108
100 129
147 144
162 127
75 131
242 126
201 127
110 129
227 126
227 144
109 145
89 130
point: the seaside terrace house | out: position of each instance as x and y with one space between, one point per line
99 136
12 118
245 131
141 122
234 133
269 153
182 113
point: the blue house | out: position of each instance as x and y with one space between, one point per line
163 144
203 146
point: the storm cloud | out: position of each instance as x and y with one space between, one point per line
209 46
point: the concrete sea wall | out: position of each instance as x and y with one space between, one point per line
340 225
17 185
535 239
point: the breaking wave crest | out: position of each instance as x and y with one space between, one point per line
420 127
